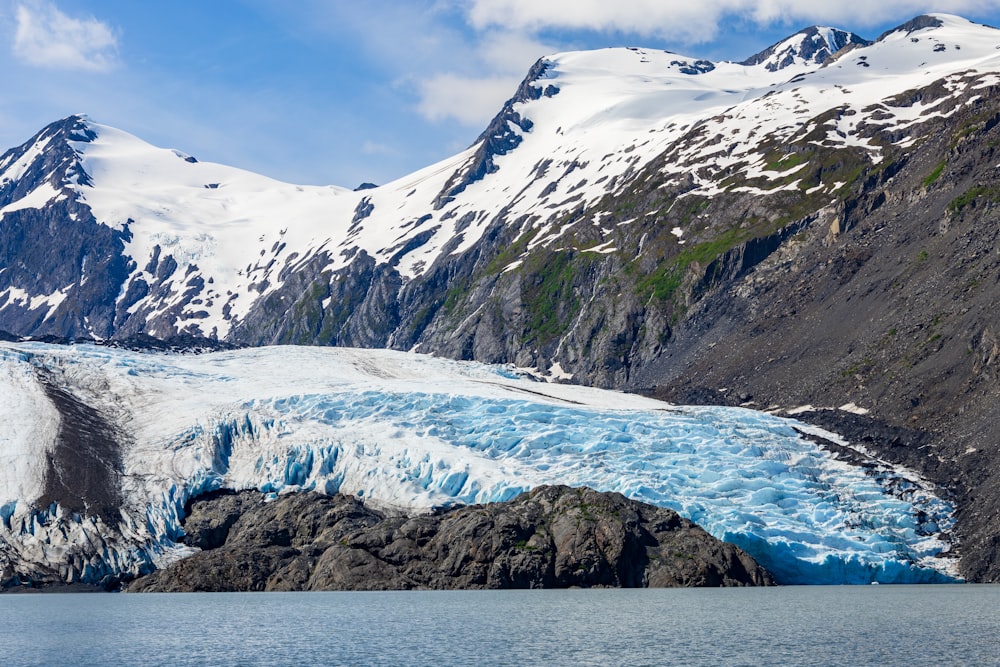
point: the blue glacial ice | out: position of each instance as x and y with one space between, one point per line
746 477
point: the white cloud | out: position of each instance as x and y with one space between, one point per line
470 101
694 22
511 52
46 37
682 19
502 56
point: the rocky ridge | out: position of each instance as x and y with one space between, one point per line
551 537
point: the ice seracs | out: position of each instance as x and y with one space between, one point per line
412 431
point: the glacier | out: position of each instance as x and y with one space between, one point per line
413 432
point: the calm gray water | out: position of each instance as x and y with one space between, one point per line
863 625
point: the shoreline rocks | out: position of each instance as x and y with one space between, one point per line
551 537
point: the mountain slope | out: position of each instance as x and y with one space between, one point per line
207 250
815 225
748 177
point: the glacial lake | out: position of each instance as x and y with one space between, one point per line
862 625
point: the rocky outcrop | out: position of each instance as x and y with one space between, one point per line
500 137
813 44
551 537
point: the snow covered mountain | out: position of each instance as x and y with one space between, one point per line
106 236
102 448
816 225
812 46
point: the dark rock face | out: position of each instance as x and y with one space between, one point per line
499 138
77 258
918 23
362 308
61 251
812 47
552 537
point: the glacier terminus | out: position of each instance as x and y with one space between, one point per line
409 431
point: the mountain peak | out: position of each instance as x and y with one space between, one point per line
502 135
71 128
918 23
77 127
812 45
936 21
47 158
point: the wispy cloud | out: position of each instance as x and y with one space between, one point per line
492 67
469 100
694 22
47 37
370 147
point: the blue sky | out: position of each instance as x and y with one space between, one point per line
346 91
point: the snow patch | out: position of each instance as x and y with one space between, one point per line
37 198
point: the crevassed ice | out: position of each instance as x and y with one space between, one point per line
746 477
415 432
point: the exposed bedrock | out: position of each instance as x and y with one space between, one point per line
551 537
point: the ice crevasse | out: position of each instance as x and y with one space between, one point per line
412 432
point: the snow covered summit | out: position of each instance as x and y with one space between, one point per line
185 247
811 46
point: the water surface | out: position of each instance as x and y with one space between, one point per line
862 625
